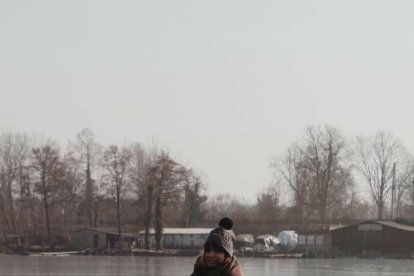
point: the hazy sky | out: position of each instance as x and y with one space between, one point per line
224 85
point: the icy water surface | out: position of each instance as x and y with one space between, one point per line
163 266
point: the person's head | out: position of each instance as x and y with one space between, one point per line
214 254
219 244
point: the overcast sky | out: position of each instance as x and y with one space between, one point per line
224 85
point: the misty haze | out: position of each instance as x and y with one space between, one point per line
180 137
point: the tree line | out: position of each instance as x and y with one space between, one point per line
326 174
46 193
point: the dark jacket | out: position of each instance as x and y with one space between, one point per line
230 268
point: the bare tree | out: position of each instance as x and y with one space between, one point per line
268 203
377 154
168 177
69 195
290 171
324 157
240 210
409 195
29 211
404 184
48 173
116 162
142 162
316 168
86 150
223 205
13 158
193 210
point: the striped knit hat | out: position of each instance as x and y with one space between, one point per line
223 236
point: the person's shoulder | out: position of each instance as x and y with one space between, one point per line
198 265
199 260
234 268
234 261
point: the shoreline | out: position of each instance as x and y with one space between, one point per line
153 253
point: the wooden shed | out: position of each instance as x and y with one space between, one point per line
374 238
316 243
179 238
98 238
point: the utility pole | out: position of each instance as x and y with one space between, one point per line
393 190
412 192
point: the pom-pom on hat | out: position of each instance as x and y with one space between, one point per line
223 236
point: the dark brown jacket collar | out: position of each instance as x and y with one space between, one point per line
229 268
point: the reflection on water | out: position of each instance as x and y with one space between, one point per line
163 266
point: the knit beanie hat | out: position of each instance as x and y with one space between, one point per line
223 236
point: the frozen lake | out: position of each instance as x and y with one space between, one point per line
163 266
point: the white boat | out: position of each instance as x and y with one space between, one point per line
59 254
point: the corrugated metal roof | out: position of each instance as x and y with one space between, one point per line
187 231
397 225
391 224
110 231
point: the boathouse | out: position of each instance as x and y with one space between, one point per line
316 243
374 238
178 238
99 238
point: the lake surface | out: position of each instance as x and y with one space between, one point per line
11 265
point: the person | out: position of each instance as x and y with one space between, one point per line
217 258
